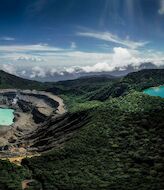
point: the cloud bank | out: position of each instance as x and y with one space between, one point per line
42 60
119 59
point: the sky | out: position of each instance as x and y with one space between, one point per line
40 37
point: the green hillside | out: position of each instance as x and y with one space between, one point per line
102 88
11 81
119 147
134 81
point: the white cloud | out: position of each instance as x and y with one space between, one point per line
25 48
29 58
99 67
120 58
109 37
161 9
9 68
38 72
41 60
73 45
7 38
23 72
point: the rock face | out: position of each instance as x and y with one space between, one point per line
55 131
38 117
32 109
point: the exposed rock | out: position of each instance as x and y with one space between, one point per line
33 110
55 131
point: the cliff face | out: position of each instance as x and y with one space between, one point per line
54 132
38 117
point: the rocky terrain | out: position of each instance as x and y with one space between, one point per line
33 110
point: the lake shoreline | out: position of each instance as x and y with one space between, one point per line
157 91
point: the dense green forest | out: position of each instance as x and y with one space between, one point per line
119 147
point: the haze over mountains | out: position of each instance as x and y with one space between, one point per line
39 74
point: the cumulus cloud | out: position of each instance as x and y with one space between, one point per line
123 57
38 72
120 58
99 67
42 60
161 9
109 37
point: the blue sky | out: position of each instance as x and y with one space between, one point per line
42 36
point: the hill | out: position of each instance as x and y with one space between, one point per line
119 147
112 144
134 81
11 81
102 88
81 86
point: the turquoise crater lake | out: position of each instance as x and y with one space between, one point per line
6 116
155 91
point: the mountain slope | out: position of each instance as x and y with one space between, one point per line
120 147
118 144
11 81
134 81
102 88
81 86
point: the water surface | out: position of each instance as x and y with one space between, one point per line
6 116
155 91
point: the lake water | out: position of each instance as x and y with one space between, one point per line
155 91
6 116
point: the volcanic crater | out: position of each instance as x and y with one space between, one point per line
32 110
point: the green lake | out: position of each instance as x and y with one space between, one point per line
155 91
6 116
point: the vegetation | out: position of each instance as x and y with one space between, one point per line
121 147
81 86
134 81
11 176
103 88
11 81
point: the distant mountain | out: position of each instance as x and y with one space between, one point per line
70 76
79 72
